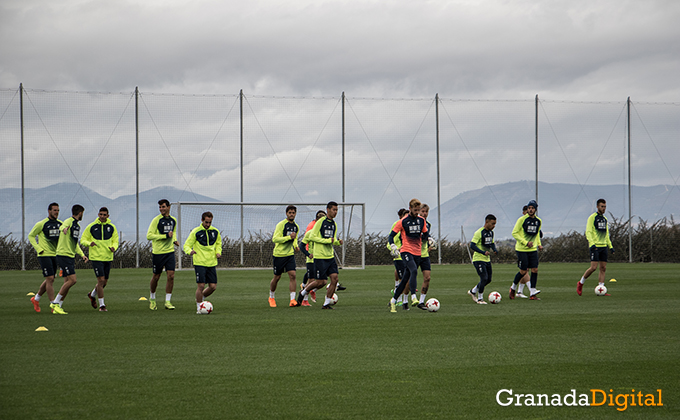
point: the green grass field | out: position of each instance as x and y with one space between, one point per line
247 360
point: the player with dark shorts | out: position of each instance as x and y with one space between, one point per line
527 234
285 245
323 235
204 244
101 236
399 266
483 244
67 248
425 265
308 250
44 238
413 231
162 233
597 233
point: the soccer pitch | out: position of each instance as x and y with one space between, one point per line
246 360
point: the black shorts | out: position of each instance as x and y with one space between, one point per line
284 264
161 261
599 254
483 270
400 266
205 274
67 264
48 266
424 264
310 271
527 260
101 268
325 267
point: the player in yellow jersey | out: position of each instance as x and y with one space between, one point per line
44 237
162 233
204 244
101 236
285 245
597 233
67 248
527 234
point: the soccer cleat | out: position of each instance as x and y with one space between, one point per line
341 287
607 294
93 301
472 295
422 306
522 295
579 288
414 302
534 297
312 296
327 307
36 304
481 302
512 293
169 305
152 304
293 303
272 302
305 303
393 307
405 306
103 308
56 309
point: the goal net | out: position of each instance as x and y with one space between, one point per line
247 229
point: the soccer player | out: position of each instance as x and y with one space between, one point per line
205 245
284 238
44 237
527 233
308 250
483 244
102 238
67 248
413 230
323 236
162 232
399 265
425 265
597 233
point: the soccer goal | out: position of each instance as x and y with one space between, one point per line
247 229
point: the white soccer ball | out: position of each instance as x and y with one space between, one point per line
601 290
205 308
334 299
432 305
495 297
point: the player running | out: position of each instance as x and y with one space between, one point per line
204 244
308 250
483 244
44 237
323 236
413 230
102 238
67 248
399 265
597 233
162 233
527 233
284 238
425 265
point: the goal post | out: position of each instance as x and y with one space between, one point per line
247 229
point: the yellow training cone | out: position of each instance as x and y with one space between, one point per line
30 294
143 298
612 280
41 329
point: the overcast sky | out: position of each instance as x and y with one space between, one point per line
567 50
595 50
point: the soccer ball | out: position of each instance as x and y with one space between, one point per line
334 299
494 297
601 290
205 308
432 305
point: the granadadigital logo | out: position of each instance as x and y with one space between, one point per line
596 398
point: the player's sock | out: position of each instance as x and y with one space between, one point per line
480 295
396 283
304 293
520 287
518 277
292 295
36 297
583 280
393 301
475 289
271 294
328 301
422 297
152 295
101 302
534 280
59 299
305 297
168 297
94 292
